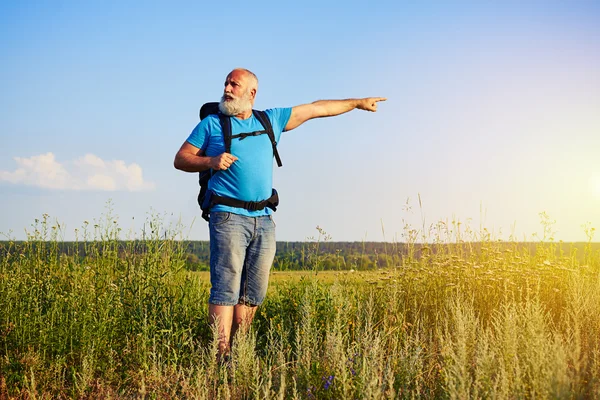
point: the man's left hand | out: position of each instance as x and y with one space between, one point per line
369 103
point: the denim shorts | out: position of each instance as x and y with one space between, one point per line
242 250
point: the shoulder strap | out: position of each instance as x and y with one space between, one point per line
266 123
225 121
226 128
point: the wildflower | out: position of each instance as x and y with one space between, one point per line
350 364
328 381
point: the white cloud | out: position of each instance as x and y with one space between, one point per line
102 182
91 160
89 172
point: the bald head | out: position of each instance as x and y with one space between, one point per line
251 78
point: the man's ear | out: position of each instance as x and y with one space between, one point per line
253 94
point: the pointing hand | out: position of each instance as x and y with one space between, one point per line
369 103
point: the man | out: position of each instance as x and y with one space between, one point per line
242 241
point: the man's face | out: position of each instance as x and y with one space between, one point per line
238 97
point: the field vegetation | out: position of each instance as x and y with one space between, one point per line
457 315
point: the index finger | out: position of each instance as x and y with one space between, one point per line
379 98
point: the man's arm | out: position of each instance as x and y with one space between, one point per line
189 158
329 108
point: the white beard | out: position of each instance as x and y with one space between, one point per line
235 106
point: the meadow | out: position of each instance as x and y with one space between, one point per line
465 316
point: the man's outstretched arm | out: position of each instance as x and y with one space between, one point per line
329 108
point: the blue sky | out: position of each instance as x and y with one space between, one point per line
492 114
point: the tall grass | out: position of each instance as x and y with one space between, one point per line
468 317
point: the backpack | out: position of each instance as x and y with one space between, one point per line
207 199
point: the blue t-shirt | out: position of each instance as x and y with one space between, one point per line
250 178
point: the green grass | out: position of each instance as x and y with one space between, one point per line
474 320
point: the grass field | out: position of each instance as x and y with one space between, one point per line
474 320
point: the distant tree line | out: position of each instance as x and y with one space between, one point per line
311 255
359 256
322 255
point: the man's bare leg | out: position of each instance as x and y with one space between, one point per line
242 318
224 316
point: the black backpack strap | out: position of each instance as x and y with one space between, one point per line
262 117
272 202
244 135
226 128
204 196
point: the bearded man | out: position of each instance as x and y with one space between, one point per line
242 241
